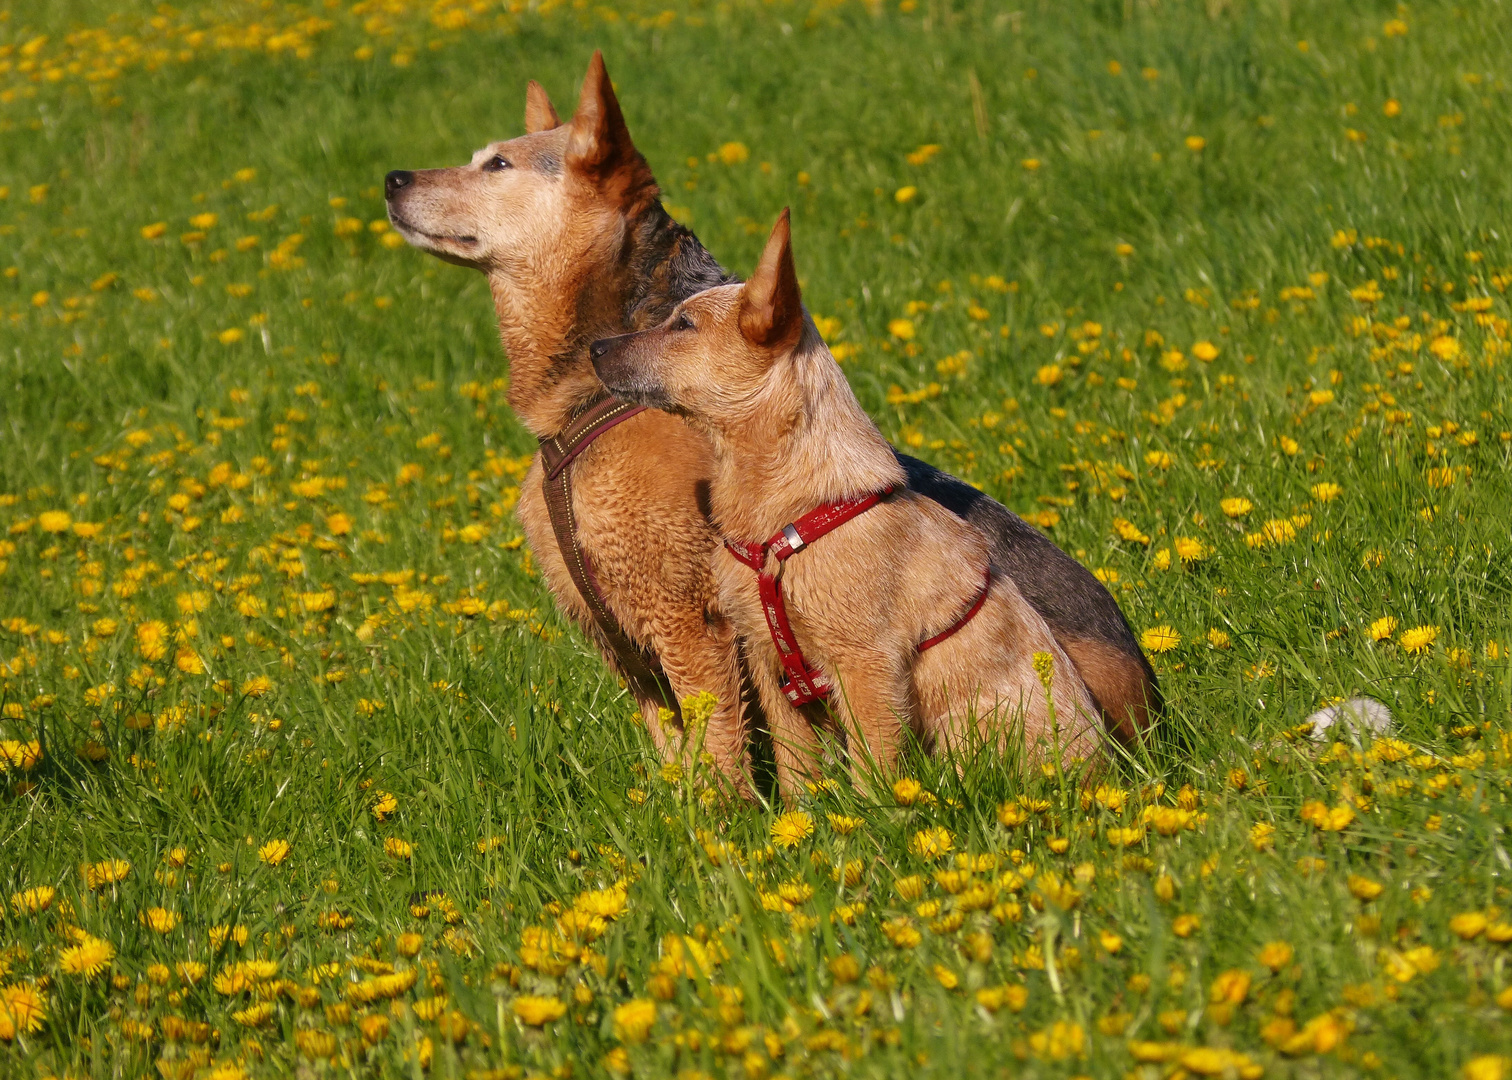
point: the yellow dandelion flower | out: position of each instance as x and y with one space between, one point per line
16 754
1195 143
397 848
792 828
1326 491
1190 549
1235 506
906 193
384 804
22 1010
54 521
844 824
1419 639
159 919
257 686
1364 889
634 1019
274 852
1383 628
1276 955
734 153
902 329
907 791
152 640
31 901
538 1011
931 843
100 874
1159 639
1205 351
88 958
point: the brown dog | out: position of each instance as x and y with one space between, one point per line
567 224
865 591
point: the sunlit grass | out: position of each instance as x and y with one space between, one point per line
302 767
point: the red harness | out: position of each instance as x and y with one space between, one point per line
803 683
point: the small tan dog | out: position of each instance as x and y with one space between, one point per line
897 606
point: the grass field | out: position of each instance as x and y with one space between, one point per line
304 775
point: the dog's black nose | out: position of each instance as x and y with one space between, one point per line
599 348
397 179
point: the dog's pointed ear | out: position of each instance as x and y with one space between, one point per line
771 308
540 115
599 145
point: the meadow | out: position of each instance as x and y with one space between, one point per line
302 774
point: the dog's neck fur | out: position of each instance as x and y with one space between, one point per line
656 264
804 441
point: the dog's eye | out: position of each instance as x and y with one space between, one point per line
497 162
682 322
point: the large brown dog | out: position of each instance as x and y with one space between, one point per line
567 224
861 584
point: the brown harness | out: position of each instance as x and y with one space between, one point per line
557 455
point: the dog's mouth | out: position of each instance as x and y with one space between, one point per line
409 228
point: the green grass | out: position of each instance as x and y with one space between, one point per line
1040 367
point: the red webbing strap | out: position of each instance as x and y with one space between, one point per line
804 683
976 606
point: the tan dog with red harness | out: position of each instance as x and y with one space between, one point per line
847 587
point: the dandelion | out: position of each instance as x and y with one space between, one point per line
34 900
907 791
792 828
54 521
1235 506
1127 530
734 153
274 852
538 1011
396 848
384 804
159 920
22 1010
634 1019
16 754
931 843
1326 492
902 329
100 874
1469 925
1205 351
1383 628
1364 889
152 640
905 194
88 958
844 824
1419 639
1218 639
1275 955
256 686
1049 375
1195 143
1190 550
1159 639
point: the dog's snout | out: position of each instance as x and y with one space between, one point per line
600 347
397 179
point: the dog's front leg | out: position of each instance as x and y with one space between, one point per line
699 652
796 748
873 701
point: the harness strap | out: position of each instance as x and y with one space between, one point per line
802 683
976 606
557 454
